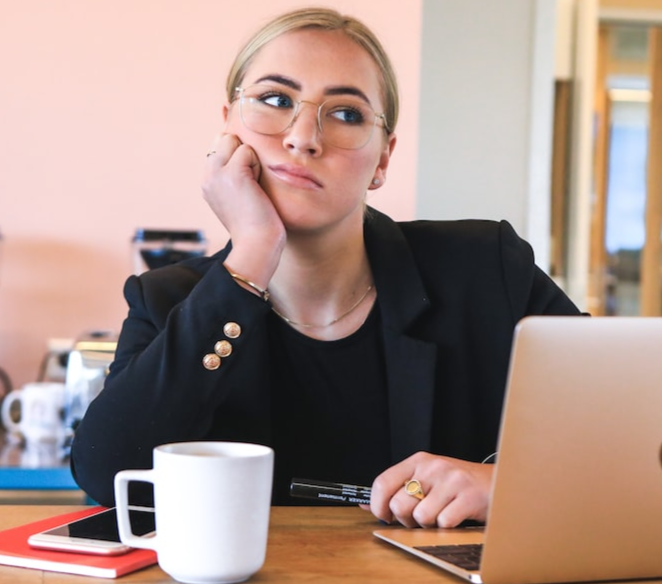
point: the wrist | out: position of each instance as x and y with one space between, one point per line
255 261
244 282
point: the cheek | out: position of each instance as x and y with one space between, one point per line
362 166
361 169
233 124
259 143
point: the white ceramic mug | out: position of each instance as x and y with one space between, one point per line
212 503
41 417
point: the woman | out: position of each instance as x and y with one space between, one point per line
363 350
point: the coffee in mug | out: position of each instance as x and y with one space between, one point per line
212 502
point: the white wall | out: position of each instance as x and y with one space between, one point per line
486 113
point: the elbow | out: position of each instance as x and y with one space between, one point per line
95 473
90 478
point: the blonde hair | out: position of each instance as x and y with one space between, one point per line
328 20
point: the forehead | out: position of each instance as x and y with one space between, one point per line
317 59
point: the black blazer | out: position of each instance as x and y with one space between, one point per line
450 294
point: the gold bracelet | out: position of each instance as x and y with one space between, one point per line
263 292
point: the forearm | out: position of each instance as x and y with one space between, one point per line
158 390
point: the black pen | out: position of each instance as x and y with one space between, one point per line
326 491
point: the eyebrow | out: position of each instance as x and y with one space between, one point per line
334 90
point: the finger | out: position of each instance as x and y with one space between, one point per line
228 149
402 507
464 506
426 508
388 484
428 511
384 488
245 156
213 148
453 514
405 505
222 149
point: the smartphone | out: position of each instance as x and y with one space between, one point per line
95 534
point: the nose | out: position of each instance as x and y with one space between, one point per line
304 133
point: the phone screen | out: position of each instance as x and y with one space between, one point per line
103 526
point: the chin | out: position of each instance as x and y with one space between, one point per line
305 211
302 222
297 207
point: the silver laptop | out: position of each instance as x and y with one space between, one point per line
577 494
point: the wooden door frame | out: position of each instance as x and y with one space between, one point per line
651 259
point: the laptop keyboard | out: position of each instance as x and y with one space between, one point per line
465 556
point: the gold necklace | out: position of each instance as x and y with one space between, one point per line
334 321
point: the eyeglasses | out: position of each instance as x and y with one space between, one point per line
344 121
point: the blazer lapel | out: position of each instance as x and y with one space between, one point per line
410 362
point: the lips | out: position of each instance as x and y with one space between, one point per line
295 175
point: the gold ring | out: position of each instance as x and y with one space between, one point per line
210 153
413 489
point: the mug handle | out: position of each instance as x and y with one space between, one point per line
122 479
7 403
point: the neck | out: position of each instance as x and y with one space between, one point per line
318 280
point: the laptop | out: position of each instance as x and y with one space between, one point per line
577 493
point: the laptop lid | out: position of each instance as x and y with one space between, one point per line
577 494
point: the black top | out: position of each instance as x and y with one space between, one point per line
328 394
450 295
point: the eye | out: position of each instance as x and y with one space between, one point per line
348 114
276 99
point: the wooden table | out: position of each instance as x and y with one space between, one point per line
306 544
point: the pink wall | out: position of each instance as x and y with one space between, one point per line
106 112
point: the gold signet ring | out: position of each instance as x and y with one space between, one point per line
413 489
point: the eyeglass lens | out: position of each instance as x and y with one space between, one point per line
344 121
